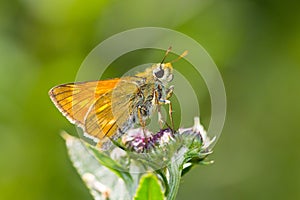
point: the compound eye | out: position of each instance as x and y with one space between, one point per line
160 73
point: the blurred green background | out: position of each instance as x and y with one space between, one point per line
255 44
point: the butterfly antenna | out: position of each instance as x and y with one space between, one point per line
179 57
167 52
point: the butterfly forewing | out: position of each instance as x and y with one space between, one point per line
99 107
75 99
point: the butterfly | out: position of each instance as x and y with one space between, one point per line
106 109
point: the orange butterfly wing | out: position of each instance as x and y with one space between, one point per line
98 107
74 99
112 111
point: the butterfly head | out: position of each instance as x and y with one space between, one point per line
163 72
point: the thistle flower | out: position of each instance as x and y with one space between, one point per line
143 141
167 155
136 140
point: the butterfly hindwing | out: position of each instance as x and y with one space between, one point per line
112 111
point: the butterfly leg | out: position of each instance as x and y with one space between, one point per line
142 122
161 120
170 111
160 117
170 114
166 101
169 94
170 91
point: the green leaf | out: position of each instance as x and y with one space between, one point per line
115 167
102 182
149 188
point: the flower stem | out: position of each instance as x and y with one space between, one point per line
175 170
165 181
